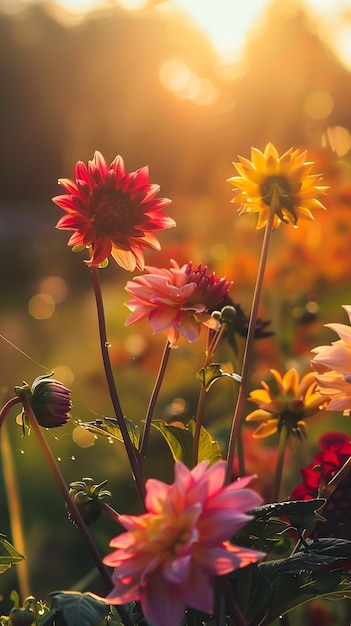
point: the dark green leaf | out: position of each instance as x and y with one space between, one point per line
301 513
8 554
77 609
279 586
108 427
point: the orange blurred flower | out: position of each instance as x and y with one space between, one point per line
286 401
284 180
112 212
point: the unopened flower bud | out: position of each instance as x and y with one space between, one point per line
86 496
21 617
50 401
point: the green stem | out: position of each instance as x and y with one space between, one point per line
198 424
13 500
76 516
133 454
283 438
153 399
242 395
211 348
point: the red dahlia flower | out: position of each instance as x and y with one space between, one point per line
112 212
177 300
335 451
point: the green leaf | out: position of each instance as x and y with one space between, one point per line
208 375
302 514
108 426
263 535
323 571
180 440
8 554
209 449
77 609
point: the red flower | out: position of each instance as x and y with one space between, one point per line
112 212
335 451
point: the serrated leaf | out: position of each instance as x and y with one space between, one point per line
108 427
302 514
208 375
78 609
323 571
8 554
180 440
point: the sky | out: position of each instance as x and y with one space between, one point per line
228 22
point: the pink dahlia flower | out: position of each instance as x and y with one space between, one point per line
333 366
112 212
177 300
171 555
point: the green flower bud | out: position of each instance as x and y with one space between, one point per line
86 496
21 617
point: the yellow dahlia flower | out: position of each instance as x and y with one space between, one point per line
286 401
281 182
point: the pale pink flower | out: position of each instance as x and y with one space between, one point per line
333 366
171 554
178 300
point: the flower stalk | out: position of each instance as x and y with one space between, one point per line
153 399
283 438
242 395
76 517
214 338
133 455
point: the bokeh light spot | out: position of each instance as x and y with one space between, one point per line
56 287
339 139
41 306
64 374
177 77
82 437
135 344
318 104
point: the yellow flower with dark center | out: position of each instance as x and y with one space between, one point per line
283 183
287 401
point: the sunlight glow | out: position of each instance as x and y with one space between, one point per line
228 23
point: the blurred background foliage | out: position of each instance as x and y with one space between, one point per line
149 85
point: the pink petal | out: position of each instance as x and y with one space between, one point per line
160 603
